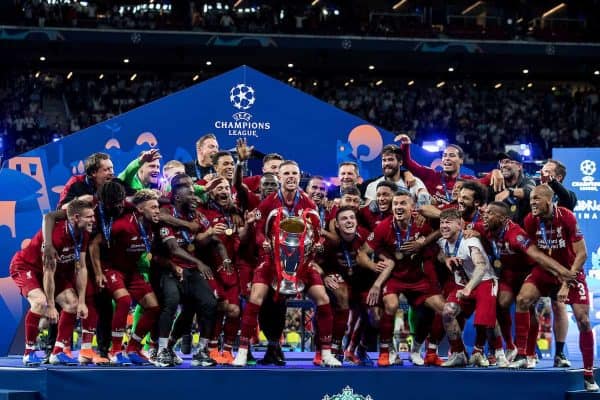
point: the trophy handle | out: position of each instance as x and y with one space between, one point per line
271 215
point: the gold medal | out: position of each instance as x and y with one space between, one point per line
550 251
77 264
513 208
191 247
228 231
497 264
148 256
399 255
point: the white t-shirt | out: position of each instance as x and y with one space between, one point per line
371 191
464 253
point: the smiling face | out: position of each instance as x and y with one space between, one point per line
206 150
346 222
384 198
289 177
390 165
466 202
149 173
350 200
221 194
316 190
451 160
402 207
493 218
449 227
184 196
225 167
510 168
104 173
150 210
348 176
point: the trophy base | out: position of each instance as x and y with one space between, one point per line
288 287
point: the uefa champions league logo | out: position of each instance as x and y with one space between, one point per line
587 167
242 96
347 394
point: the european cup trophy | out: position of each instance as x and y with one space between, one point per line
292 239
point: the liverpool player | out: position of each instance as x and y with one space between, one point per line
58 280
556 232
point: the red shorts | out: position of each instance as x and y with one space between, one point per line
482 302
548 285
133 282
28 279
265 274
511 279
245 273
416 292
230 294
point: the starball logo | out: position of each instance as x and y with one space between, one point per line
587 183
587 209
242 97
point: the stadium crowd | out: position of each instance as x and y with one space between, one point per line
475 115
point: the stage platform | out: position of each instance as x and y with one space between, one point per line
299 380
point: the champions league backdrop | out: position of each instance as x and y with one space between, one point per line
272 116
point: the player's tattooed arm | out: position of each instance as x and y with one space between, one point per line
480 262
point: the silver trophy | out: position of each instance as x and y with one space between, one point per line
291 230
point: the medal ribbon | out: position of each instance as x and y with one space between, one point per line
183 231
106 226
543 233
456 246
144 235
283 204
77 243
447 194
496 247
398 231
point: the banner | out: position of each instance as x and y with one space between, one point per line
583 178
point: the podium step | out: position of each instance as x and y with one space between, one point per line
582 395
7 394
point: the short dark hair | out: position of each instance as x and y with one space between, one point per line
92 162
352 164
272 156
403 192
352 191
218 155
502 206
111 192
461 152
344 208
393 149
451 213
560 168
479 191
388 184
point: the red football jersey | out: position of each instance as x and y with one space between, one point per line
559 236
384 239
62 241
